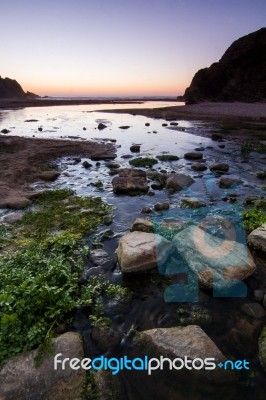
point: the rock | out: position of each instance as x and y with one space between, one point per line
164 124
227 183
193 156
16 203
161 206
216 136
135 148
174 123
225 81
192 202
40 129
105 337
48 176
258 295
147 124
101 126
178 181
260 203
189 342
86 164
219 168
257 238
141 251
112 165
146 210
125 156
5 131
13 218
77 160
100 257
218 263
261 174
124 127
142 225
254 310
130 181
157 186
262 348
197 166
20 379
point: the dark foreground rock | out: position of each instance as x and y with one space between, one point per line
20 379
238 76
130 181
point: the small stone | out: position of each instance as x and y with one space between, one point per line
124 127
135 148
147 124
197 166
192 202
254 310
193 156
219 167
101 126
146 210
86 164
227 183
161 206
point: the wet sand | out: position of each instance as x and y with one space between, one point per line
205 111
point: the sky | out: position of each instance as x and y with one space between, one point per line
118 47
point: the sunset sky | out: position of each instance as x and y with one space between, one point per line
118 47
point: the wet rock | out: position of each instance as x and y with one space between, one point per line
193 156
180 342
48 176
147 124
257 238
227 183
178 181
112 165
125 156
146 210
262 348
141 251
219 167
174 123
216 136
135 148
199 149
261 174
164 124
254 310
124 127
142 225
105 337
5 131
12 218
101 126
22 380
40 129
218 263
84 128
100 257
130 181
86 164
191 202
161 206
77 159
15 202
197 166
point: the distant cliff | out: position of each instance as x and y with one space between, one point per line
10 88
240 75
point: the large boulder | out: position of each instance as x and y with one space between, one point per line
20 379
176 182
217 263
141 251
189 343
257 238
130 181
238 76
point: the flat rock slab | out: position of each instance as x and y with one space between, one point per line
257 238
141 251
178 182
20 379
217 263
130 181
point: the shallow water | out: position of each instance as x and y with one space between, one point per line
148 308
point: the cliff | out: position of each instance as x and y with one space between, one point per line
10 88
240 75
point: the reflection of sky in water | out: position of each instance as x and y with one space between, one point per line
64 121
